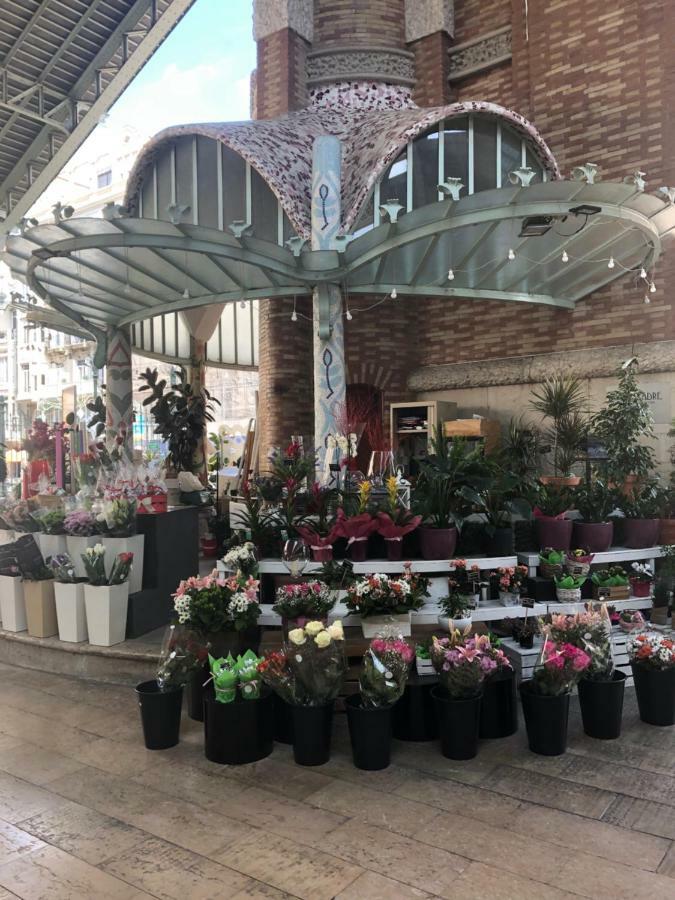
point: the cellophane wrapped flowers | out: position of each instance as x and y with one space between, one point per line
50 521
376 595
62 568
217 603
386 665
652 649
310 670
118 517
309 599
589 631
560 667
242 558
180 655
276 672
93 559
80 523
462 663
121 568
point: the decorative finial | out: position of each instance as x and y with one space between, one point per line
239 228
451 188
522 176
295 244
585 173
61 212
391 208
342 241
176 212
638 179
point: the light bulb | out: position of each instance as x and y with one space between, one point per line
511 254
643 273
652 288
647 300
242 305
186 294
294 316
348 316
394 294
565 257
451 275
610 264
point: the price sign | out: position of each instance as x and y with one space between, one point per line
603 593
576 570
527 602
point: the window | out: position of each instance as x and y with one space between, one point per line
26 378
42 379
103 179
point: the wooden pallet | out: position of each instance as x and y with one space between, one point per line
524 661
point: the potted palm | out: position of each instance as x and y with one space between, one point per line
595 502
438 499
386 665
652 661
383 602
562 402
106 597
71 614
552 527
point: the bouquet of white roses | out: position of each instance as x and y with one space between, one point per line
317 663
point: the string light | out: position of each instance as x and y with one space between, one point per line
647 300
348 316
511 254
186 294
611 263
565 257
294 316
652 288
242 305
451 275
643 273
394 294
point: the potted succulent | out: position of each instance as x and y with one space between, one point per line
82 531
595 502
106 597
461 663
601 688
610 583
383 602
308 676
641 579
552 527
499 707
568 588
456 607
641 508
511 580
562 402
546 697
438 499
297 604
386 665
652 661
395 521
71 614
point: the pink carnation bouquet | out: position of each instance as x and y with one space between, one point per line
304 601
560 667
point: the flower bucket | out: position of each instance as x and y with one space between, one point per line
371 626
75 547
239 732
51 544
322 554
458 724
414 715
40 608
71 614
160 714
640 588
196 690
552 532
106 607
437 543
283 721
12 605
568 595
601 705
499 708
595 536
667 531
312 731
132 544
655 690
369 733
640 533
508 598
546 719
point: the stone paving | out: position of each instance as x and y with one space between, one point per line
87 812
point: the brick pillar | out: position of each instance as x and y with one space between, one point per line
432 67
283 31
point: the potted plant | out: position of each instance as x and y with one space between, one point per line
456 608
552 527
641 508
610 583
630 620
319 534
386 665
51 531
106 597
395 521
461 665
546 697
568 588
498 502
297 604
356 529
601 688
117 523
511 579
652 661
39 445
12 605
551 562
622 426
499 706
71 615
595 503
309 677
238 712
562 401
578 561
81 532
641 579
527 631
383 602
438 499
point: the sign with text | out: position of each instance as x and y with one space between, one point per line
659 397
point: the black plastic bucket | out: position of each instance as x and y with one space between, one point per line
160 714
499 709
312 731
369 733
601 705
195 692
238 732
414 716
546 720
655 689
458 724
283 721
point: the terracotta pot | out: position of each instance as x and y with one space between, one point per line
558 481
640 588
667 531
640 533
438 543
594 536
552 532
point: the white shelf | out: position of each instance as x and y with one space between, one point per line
385 567
616 554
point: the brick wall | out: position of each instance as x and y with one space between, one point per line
432 64
280 74
474 18
359 23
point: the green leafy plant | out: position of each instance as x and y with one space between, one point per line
553 502
624 421
552 557
498 500
521 449
570 582
614 576
595 501
561 399
644 502
456 605
98 409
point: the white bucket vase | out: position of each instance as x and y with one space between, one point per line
106 607
508 598
457 624
51 544
12 606
132 544
70 612
372 626
75 547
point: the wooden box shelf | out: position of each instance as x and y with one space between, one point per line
488 431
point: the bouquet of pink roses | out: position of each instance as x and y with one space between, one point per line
560 667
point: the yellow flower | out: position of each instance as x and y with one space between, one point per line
313 628
322 639
392 492
364 494
336 632
297 636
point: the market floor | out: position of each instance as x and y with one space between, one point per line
87 812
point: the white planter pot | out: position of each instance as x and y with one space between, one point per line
372 626
506 598
457 624
70 612
6 536
106 613
75 547
51 544
12 606
133 544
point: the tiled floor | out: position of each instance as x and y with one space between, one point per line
87 812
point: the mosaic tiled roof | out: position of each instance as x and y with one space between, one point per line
373 128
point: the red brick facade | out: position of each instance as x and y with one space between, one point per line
280 74
598 80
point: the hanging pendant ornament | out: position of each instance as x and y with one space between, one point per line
348 316
647 300
451 275
611 263
643 273
294 316
565 257
652 288
511 254
394 294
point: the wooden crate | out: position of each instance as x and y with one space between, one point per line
487 430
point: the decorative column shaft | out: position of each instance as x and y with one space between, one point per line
119 389
197 376
329 350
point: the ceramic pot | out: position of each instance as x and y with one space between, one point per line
51 544
667 531
640 588
106 607
358 550
437 543
457 624
40 608
71 614
596 537
394 549
501 543
640 533
322 554
552 532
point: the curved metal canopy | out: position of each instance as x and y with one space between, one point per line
118 271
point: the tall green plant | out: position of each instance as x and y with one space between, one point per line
624 421
562 401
